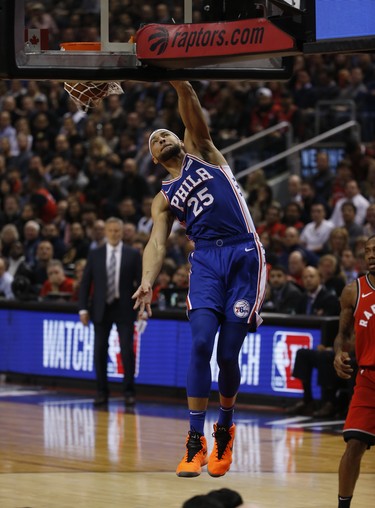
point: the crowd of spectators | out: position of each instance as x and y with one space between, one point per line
64 171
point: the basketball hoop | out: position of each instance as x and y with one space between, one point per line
88 94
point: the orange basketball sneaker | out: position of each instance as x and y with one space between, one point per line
221 455
195 456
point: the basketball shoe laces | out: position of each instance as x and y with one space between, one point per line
222 438
193 445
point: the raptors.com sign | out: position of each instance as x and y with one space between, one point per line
285 347
158 43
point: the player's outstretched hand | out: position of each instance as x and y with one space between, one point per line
342 365
143 298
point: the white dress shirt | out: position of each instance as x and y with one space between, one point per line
314 237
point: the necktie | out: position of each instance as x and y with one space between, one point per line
309 305
111 278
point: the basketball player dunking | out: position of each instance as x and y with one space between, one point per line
358 315
227 279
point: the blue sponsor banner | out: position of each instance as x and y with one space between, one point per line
44 343
57 344
336 19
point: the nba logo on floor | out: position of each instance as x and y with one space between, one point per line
285 347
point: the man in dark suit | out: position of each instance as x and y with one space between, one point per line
318 301
111 275
282 295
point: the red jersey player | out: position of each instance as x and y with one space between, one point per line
358 316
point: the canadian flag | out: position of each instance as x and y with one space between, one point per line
36 39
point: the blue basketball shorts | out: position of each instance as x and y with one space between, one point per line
229 276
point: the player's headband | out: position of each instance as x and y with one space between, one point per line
160 130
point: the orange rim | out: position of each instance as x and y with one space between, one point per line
81 46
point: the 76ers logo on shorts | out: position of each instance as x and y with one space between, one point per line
285 347
241 308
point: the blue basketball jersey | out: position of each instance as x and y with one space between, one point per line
228 265
208 201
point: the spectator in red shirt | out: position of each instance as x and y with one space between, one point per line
265 115
272 223
287 111
57 284
42 200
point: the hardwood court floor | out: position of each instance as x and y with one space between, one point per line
56 451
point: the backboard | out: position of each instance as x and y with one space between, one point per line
118 58
190 39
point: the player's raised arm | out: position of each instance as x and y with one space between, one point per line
197 139
154 253
343 341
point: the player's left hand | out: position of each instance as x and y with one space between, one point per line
143 298
342 365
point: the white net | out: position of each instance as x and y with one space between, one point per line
89 94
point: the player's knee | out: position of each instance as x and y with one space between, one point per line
355 449
202 347
227 360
